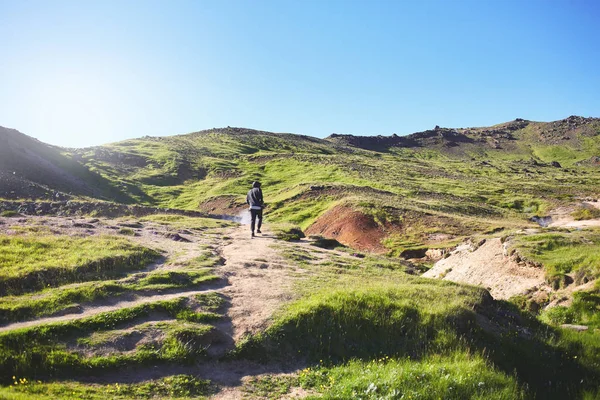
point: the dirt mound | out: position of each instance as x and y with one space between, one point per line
350 227
490 267
223 205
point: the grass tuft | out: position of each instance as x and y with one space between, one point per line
34 263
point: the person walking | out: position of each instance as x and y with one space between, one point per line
254 199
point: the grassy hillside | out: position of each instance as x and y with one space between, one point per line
468 180
351 325
359 324
394 195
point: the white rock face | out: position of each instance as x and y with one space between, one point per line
489 267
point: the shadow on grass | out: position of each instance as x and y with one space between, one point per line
548 363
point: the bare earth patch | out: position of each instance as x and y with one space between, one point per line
350 227
489 267
259 281
562 218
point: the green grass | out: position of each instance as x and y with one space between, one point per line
287 232
33 263
424 326
302 213
585 213
210 301
191 274
178 329
126 232
455 376
469 188
585 310
176 386
563 154
563 252
40 350
380 332
185 222
269 387
324 243
340 323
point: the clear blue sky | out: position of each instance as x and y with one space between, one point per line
80 73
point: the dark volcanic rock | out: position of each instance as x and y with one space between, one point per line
443 136
101 209
83 225
136 225
177 237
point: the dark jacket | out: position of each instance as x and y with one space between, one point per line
255 197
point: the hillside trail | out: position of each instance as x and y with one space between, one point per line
103 306
256 279
173 253
259 280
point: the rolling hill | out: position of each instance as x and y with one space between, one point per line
430 188
120 278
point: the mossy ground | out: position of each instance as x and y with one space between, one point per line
80 346
177 386
362 326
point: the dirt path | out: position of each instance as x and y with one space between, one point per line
152 236
259 280
99 307
255 279
571 223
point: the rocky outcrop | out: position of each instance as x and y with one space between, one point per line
488 265
100 209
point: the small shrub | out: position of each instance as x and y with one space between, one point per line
560 315
289 234
126 232
584 310
525 303
325 243
559 281
585 213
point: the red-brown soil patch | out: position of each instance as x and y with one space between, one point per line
224 205
350 227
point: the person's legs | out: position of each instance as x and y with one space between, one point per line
253 220
259 215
